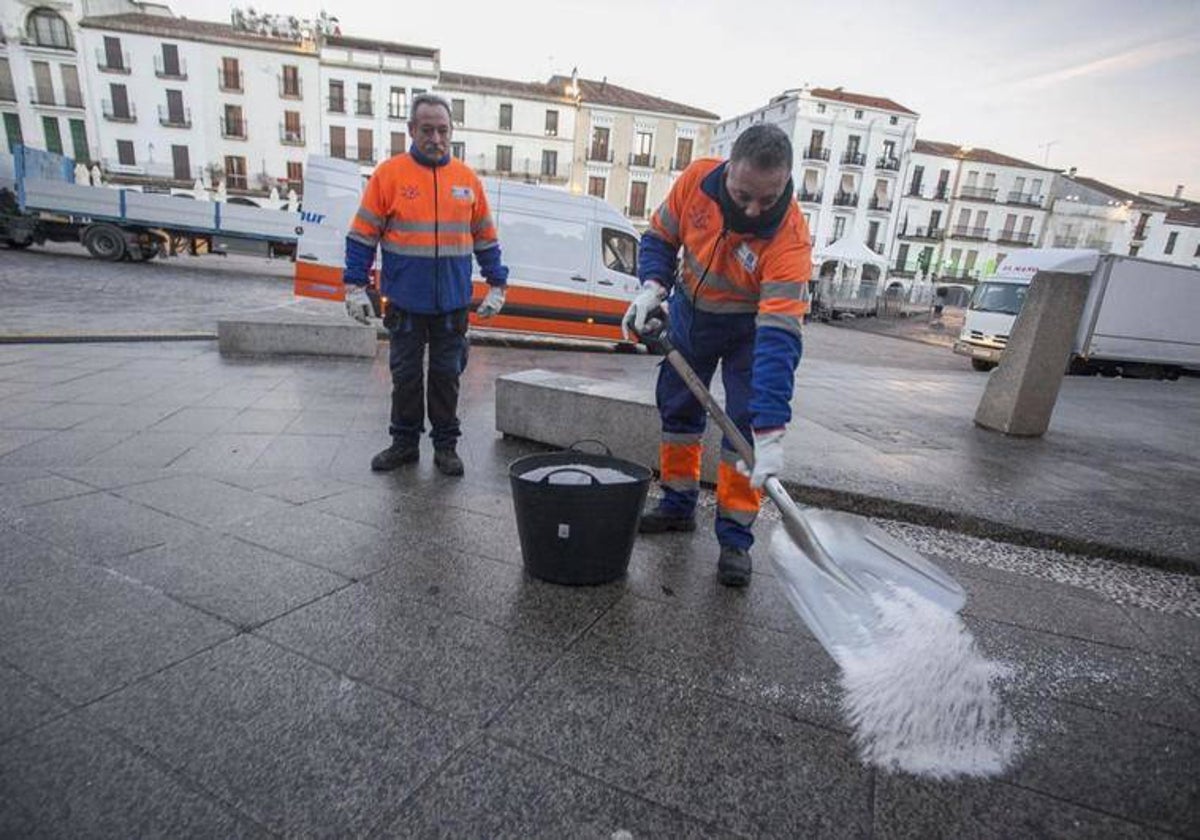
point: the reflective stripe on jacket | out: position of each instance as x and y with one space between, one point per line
428 218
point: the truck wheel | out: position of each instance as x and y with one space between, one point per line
105 242
18 244
981 365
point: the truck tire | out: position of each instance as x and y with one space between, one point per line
982 365
105 242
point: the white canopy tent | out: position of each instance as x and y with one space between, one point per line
842 291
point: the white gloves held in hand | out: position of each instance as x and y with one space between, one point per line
358 305
492 303
648 299
768 457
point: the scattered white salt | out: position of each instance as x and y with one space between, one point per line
579 474
921 697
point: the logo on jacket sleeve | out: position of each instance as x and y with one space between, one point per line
462 193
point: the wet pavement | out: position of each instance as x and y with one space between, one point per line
215 621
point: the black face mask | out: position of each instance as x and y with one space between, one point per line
738 222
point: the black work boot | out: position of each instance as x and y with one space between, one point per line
733 569
656 522
447 461
396 455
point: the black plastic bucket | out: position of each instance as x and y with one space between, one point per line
580 532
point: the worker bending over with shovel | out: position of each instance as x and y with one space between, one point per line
730 253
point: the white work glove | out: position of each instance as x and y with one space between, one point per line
648 299
768 457
492 303
358 305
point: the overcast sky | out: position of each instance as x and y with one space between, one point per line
1109 86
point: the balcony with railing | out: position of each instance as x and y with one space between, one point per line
600 154
174 118
923 232
127 113
816 153
636 212
335 104
1025 199
941 194
678 165
978 193
903 269
806 197
857 159
1013 237
880 205
965 232
8 92
112 63
955 272
291 135
364 108
233 128
644 161
845 199
291 87
230 82
178 70
876 247
887 164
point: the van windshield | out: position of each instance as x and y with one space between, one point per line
999 297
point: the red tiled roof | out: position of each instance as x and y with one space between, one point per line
1187 215
207 30
1107 189
880 102
487 84
953 150
592 92
196 30
379 46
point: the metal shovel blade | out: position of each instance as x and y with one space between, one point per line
834 568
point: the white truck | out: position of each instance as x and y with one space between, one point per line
40 201
572 259
1140 317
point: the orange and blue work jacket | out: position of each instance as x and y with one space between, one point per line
428 218
764 276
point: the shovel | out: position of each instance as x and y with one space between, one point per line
834 566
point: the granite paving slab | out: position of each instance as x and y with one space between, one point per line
299 748
726 763
66 780
446 661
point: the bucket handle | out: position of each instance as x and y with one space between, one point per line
546 477
602 445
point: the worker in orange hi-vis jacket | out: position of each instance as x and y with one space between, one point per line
732 251
428 214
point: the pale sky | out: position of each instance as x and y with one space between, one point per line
1109 86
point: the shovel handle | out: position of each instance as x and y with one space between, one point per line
794 521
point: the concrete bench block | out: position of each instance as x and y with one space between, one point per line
560 409
289 334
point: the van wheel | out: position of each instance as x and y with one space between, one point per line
105 242
981 365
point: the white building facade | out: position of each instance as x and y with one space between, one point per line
850 151
978 208
507 129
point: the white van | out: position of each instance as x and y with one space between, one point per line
572 259
1138 319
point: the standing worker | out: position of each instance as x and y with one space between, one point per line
428 213
738 300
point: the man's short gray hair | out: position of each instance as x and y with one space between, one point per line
764 146
429 99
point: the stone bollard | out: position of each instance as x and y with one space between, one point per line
1021 392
